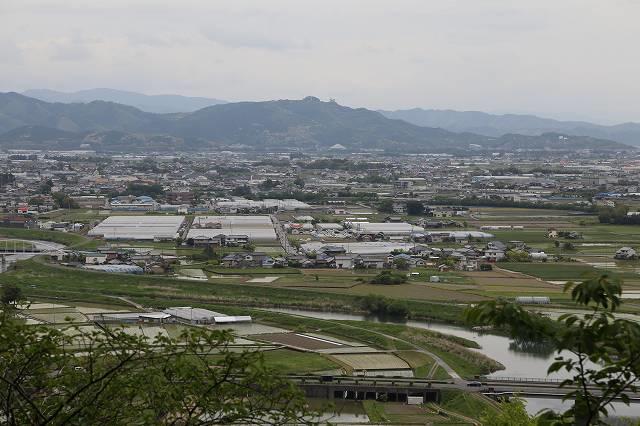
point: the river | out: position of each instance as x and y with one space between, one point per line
501 348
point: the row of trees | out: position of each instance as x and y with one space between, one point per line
413 207
384 307
618 215
388 277
499 202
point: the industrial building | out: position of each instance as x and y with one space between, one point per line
258 229
155 228
204 316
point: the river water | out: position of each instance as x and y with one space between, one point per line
502 349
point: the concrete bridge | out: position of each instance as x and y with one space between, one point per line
367 389
9 246
403 389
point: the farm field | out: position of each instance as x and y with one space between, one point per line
411 291
355 283
297 340
422 364
453 350
42 280
503 282
285 361
372 361
564 271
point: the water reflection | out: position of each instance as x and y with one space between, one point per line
542 349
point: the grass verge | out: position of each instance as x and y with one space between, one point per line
65 238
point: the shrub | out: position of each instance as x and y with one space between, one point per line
389 278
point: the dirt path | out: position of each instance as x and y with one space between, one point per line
130 302
432 371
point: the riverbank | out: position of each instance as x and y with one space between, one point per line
40 278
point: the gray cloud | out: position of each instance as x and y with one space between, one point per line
568 59
70 51
249 38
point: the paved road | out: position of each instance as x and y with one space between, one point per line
487 388
282 236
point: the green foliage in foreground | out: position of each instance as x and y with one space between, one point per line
10 294
118 379
605 361
512 413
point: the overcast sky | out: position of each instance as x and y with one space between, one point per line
557 58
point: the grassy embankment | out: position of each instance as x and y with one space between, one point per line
65 238
456 407
467 404
42 280
453 350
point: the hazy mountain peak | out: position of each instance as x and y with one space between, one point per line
501 124
307 124
148 103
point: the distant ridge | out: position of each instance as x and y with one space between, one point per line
149 103
308 124
498 125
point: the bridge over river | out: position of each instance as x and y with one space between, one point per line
404 389
10 246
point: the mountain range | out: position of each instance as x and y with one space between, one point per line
150 103
307 124
486 124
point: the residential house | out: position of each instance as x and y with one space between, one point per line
236 240
18 221
494 255
345 261
371 261
626 253
219 240
247 260
95 258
